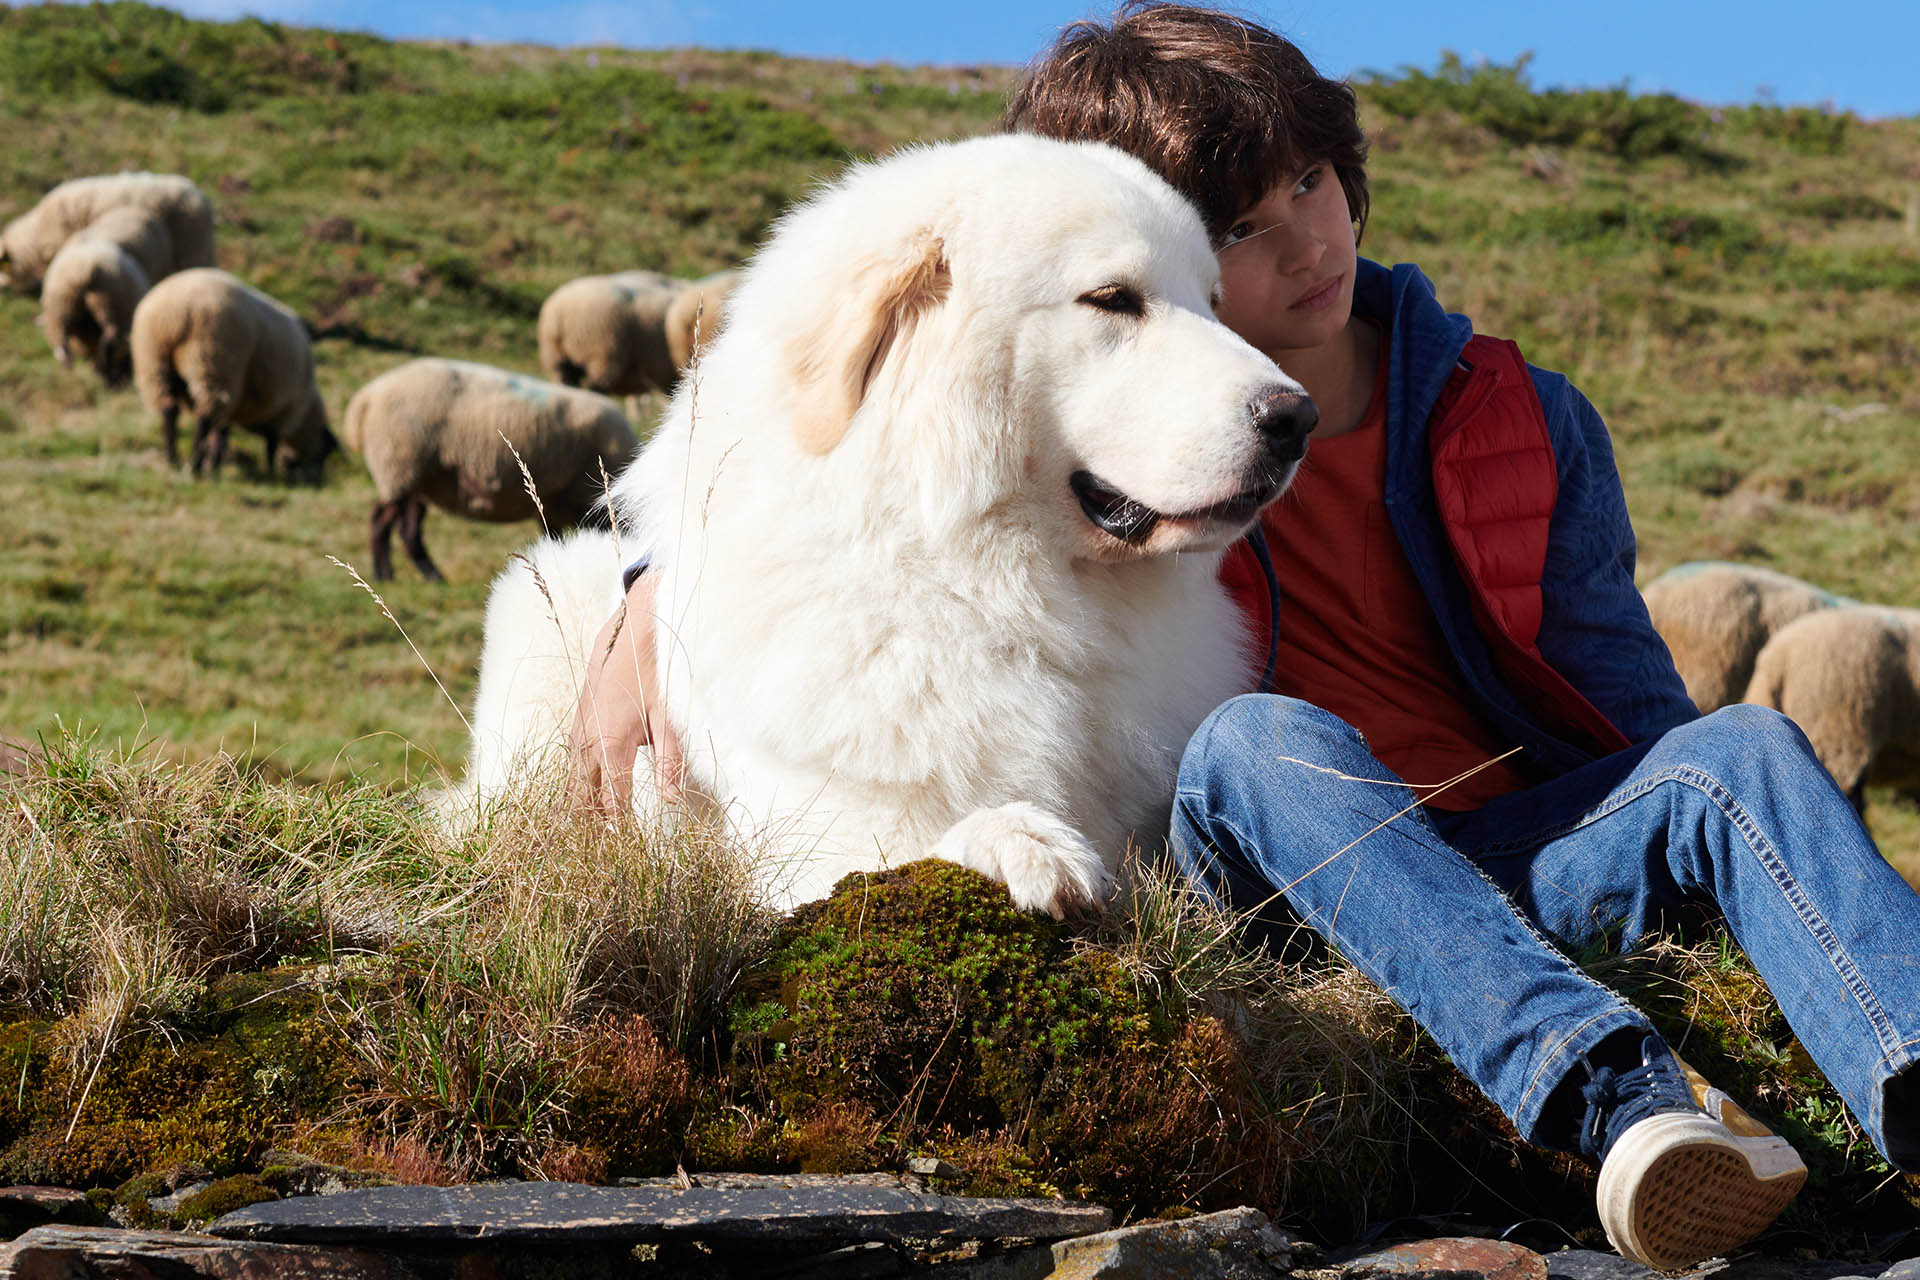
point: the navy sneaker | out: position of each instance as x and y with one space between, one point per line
1685 1174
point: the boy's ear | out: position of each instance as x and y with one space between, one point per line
834 363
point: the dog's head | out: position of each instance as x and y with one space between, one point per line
1023 328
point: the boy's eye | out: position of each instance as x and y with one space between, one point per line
1236 233
1309 180
1115 298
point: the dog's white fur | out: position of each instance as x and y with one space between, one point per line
886 625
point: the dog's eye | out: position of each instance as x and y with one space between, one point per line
1116 298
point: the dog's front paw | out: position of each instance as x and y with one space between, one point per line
1046 864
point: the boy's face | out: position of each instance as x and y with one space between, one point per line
1287 266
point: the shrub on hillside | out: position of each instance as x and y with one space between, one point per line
1502 100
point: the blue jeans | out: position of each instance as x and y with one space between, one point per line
1457 916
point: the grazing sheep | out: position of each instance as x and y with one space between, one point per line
28 243
1850 678
608 333
230 355
87 301
439 431
695 316
1715 616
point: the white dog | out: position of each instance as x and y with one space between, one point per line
937 519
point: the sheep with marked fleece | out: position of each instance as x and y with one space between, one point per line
209 345
91 289
1715 616
29 242
470 439
609 333
1850 678
695 316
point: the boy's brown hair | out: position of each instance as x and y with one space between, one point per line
1218 105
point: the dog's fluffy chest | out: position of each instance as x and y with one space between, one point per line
834 697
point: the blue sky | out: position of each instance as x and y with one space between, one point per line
1856 54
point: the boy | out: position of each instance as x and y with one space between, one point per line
1486 754
1456 568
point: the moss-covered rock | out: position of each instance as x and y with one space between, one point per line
919 1001
255 1051
223 1197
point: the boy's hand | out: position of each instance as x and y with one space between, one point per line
620 711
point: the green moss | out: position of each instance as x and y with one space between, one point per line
223 1197
256 1052
23 1060
919 1001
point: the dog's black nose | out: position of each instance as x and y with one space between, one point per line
1283 419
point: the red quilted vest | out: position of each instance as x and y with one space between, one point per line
1495 484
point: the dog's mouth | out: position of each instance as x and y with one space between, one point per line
1133 522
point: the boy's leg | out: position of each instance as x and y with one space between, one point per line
1734 810
1277 797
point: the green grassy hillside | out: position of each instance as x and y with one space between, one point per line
1736 289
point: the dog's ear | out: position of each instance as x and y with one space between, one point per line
835 363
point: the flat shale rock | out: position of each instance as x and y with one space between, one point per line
83 1253
23 1207
816 1217
1591 1264
1459 1255
1764 1268
1238 1244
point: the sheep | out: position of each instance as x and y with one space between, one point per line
448 432
695 316
1715 616
205 342
1850 678
87 303
28 243
608 333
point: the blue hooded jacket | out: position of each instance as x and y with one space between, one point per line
1593 630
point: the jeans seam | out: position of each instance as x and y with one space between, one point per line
1814 922
1763 852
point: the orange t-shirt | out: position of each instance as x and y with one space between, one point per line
1357 636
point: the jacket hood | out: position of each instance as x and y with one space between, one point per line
1426 341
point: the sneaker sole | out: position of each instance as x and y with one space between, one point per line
1680 1187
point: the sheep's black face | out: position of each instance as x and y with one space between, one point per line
311 467
113 360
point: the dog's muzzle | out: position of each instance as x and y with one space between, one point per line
1133 522
1282 417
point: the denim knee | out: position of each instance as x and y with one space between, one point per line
1743 737
1273 777
1254 730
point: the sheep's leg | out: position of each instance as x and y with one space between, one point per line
272 437
380 540
203 443
411 518
170 433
